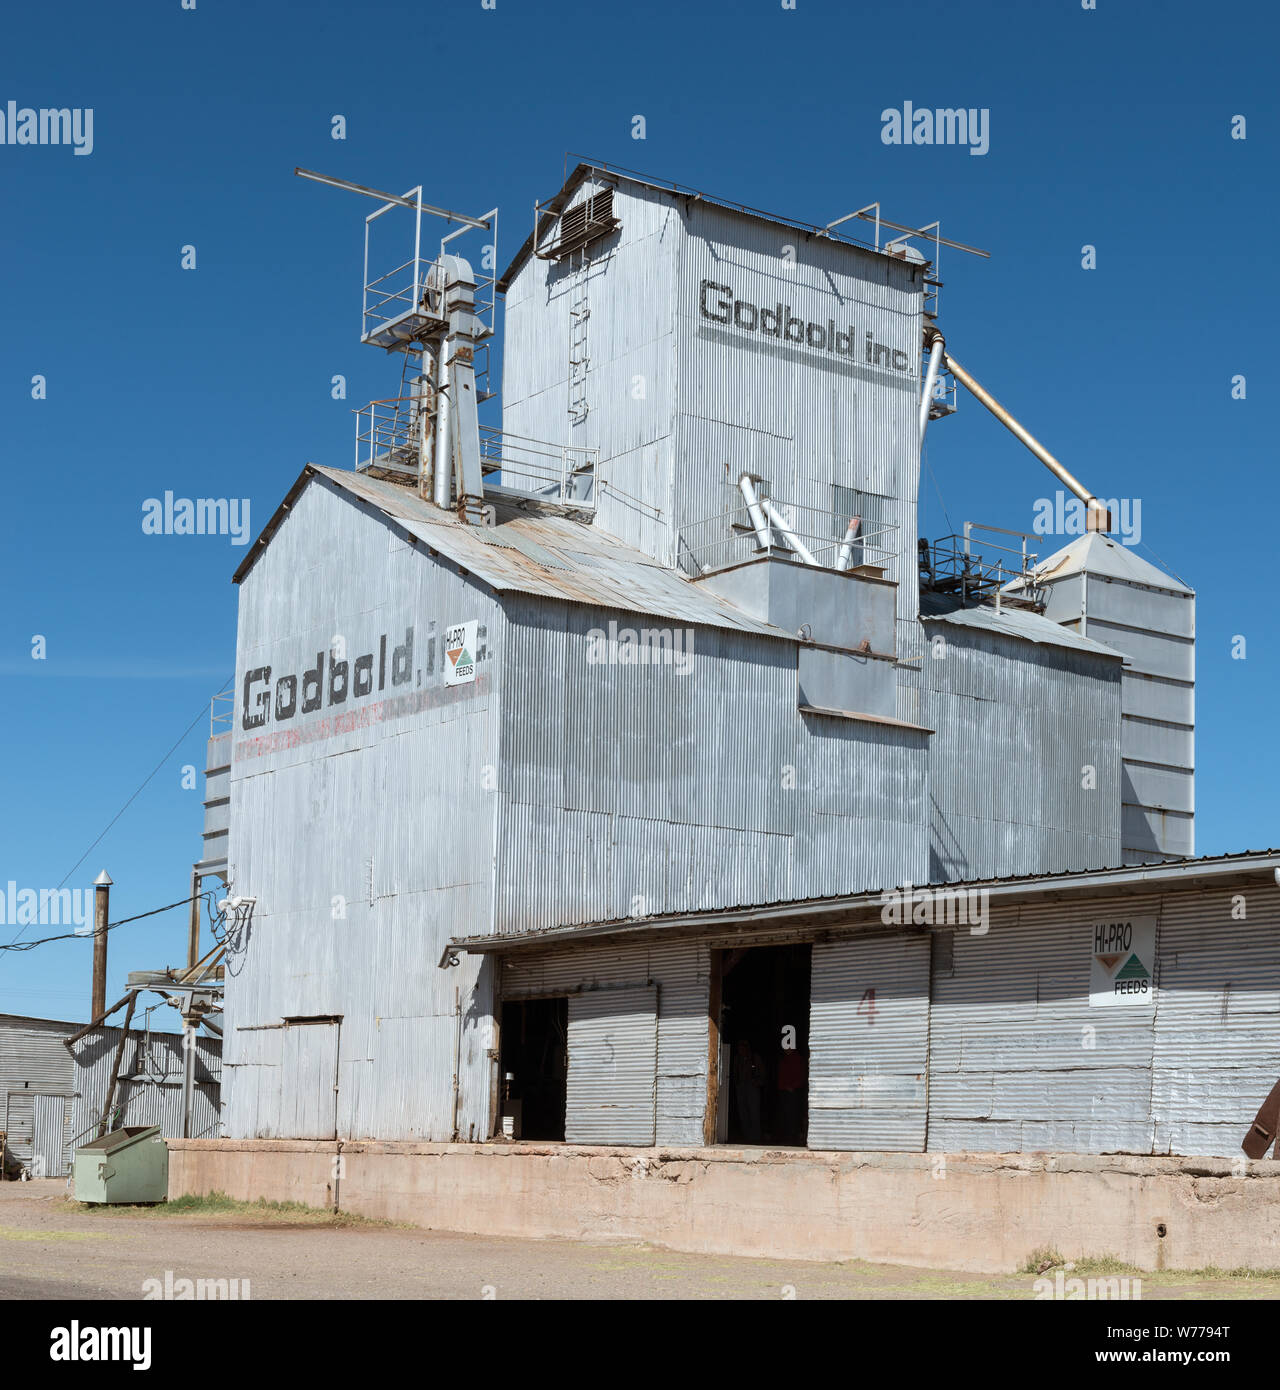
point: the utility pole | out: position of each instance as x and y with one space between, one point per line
193 927
101 904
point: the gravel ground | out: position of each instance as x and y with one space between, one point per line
51 1247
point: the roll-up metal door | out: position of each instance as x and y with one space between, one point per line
613 1062
868 1044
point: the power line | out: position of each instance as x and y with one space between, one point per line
204 709
934 478
14 945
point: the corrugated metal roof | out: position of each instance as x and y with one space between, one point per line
1099 554
1127 874
1012 622
532 553
6 1019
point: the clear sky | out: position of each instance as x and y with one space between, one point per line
1108 127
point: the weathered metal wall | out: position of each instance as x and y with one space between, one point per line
997 1033
679 972
1018 725
367 837
635 789
1115 597
1217 1026
679 404
217 802
626 286
869 1043
1018 1057
33 1061
149 1086
819 426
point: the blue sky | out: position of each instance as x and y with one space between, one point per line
1109 127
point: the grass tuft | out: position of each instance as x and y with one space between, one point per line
1043 1258
216 1204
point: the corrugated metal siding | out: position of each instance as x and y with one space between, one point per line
32 1055
19 1125
1018 1058
613 1053
149 1087
868 1043
49 1126
1157 631
629 385
638 790
1117 598
801 423
1217 1024
677 412
367 849
996 807
309 1059
33 1061
1000 1030
680 971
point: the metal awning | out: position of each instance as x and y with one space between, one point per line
826 914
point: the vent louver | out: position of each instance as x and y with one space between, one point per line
582 224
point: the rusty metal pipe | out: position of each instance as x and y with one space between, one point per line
1098 518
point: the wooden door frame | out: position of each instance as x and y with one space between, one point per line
714 1005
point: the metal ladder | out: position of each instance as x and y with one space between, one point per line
579 362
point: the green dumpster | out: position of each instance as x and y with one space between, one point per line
127 1165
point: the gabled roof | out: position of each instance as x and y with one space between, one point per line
550 556
1096 553
555 205
1011 622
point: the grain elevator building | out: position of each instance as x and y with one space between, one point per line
668 648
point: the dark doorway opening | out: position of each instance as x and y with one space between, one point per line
764 1045
535 1053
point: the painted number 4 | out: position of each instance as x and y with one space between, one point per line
867 1005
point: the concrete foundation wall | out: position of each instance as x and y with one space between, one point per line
981 1212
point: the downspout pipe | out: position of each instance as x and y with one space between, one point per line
937 345
746 485
787 534
845 557
443 479
1098 518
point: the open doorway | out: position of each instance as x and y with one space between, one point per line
534 1051
763 1094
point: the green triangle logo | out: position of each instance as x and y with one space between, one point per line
1133 970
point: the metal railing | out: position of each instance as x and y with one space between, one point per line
552 472
951 565
390 297
943 400
730 539
222 712
389 435
407 303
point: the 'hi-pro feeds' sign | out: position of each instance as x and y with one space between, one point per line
460 653
1123 964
